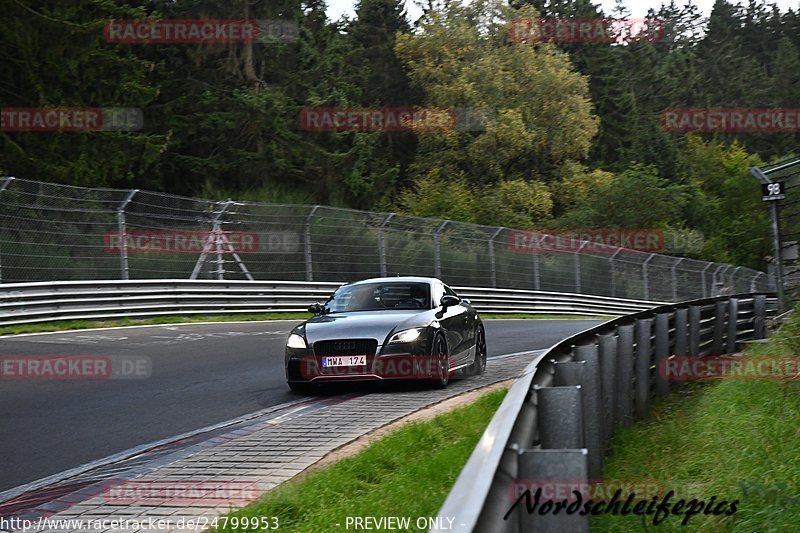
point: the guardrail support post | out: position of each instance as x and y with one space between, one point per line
733 325
720 310
624 374
681 331
123 237
608 366
492 260
3 187
437 250
307 244
592 389
694 330
382 244
536 280
536 469
559 415
642 366
662 352
759 316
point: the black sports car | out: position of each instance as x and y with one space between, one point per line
387 328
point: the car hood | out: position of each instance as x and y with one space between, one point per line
364 324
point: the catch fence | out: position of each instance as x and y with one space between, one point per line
57 232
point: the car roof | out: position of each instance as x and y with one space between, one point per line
406 279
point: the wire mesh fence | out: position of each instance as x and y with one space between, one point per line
57 232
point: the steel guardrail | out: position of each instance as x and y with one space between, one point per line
481 497
28 303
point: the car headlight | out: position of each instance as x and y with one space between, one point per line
409 335
296 341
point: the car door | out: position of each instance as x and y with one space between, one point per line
457 325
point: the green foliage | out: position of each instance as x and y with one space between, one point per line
635 198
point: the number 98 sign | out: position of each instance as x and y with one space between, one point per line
773 191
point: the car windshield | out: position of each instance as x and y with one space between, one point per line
379 297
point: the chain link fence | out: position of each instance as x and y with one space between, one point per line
58 232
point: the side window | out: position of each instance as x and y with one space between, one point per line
438 292
448 290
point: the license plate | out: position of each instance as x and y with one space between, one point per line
344 360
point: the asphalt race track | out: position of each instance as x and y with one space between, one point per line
199 375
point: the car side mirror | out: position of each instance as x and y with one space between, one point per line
315 309
466 301
448 300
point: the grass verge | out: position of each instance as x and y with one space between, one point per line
407 473
66 325
733 439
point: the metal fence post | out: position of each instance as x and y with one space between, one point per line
662 352
759 316
645 281
624 374
382 244
612 276
753 282
536 280
307 243
642 366
733 279
437 251
3 187
123 236
703 284
694 330
674 277
714 280
492 260
733 325
578 267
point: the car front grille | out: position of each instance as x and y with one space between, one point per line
346 347
366 347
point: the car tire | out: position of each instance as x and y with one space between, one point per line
440 352
301 388
478 366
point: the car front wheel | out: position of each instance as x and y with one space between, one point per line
442 360
479 365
